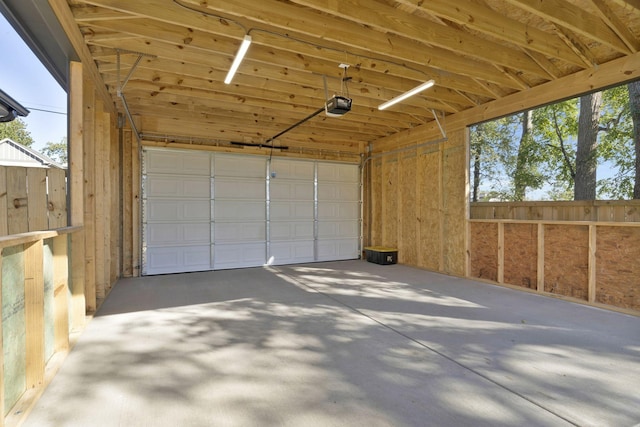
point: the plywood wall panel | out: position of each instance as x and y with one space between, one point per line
618 266
407 209
428 205
566 260
454 203
390 198
521 255
375 209
484 250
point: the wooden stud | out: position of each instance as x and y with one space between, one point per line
127 204
76 195
34 313
100 159
501 252
540 273
60 292
136 208
89 106
2 411
592 263
4 227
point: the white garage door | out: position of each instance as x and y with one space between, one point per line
206 211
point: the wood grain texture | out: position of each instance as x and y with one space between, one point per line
407 242
390 199
429 213
618 267
454 203
566 260
484 251
521 255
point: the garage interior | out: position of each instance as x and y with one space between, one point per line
175 175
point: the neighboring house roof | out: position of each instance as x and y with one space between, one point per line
10 108
14 154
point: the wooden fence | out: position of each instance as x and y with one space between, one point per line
583 250
32 199
580 210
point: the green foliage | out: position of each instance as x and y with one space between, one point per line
511 166
57 151
16 130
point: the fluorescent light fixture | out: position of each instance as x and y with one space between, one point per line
414 91
238 59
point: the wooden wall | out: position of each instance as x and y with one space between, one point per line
416 198
415 202
593 262
99 139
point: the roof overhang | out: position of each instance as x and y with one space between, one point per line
10 108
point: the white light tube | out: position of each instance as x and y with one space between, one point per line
238 59
415 90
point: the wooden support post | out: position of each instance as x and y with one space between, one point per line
2 411
61 292
501 252
76 195
540 275
136 220
34 313
441 212
90 173
4 227
100 159
592 263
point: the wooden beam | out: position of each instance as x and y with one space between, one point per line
500 278
89 105
617 25
387 19
567 15
479 17
540 261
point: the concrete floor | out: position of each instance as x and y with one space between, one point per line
344 344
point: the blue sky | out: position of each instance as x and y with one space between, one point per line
26 80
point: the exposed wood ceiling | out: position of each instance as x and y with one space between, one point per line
475 50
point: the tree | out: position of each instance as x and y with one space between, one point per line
634 107
57 150
586 159
16 130
555 127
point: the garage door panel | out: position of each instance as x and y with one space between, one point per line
177 186
177 259
339 192
338 211
292 169
291 252
291 190
239 166
204 211
337 172
239 210
286 231
338 229
291 210
234 232
163 234
337 249
177 162
239 255
235 188
177 210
